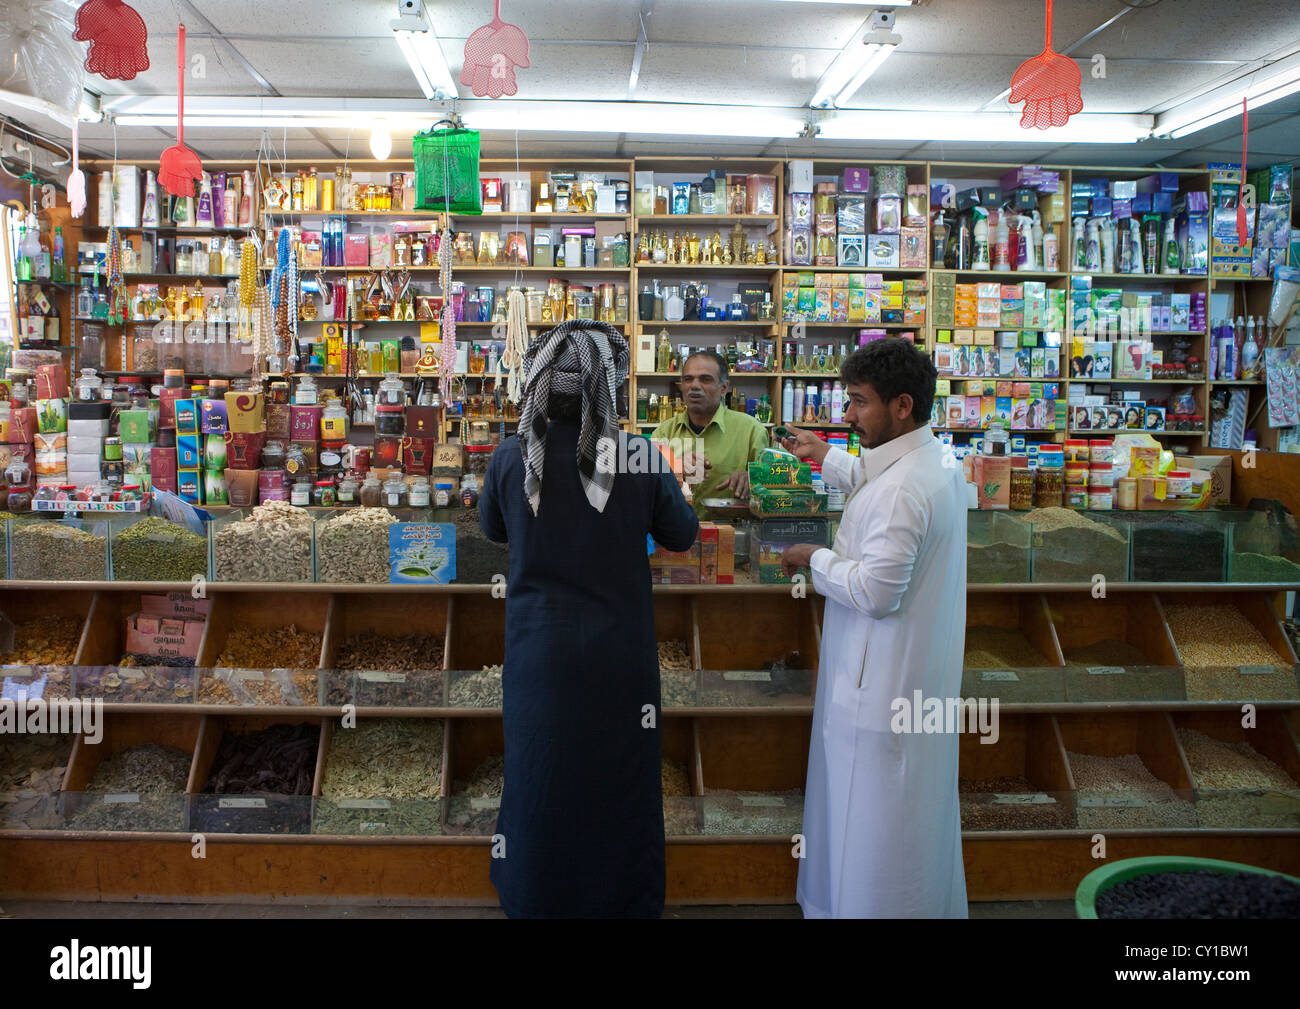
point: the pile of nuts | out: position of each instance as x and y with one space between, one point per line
983 806
267 648
1237 786
676 677
273 544
1213 641
354 546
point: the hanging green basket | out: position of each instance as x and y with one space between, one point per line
446 169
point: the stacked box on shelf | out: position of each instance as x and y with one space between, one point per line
710 560
50 437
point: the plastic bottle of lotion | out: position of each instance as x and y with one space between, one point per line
1051 254
1001 242
837 404
1107 228
1079 259
1170 262
980 256
1092 247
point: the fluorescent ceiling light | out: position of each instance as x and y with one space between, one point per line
988 127
86 110
849 70
1273 82
855 3
636 117
423 52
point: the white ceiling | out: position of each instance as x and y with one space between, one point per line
955 54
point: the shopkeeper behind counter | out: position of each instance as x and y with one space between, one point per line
728 440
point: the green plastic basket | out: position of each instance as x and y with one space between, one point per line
1100 880
446 169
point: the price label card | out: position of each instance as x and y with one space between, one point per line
255 675
761 800
242 803
1258 670
1112 800
1106 670
377 677
123 797
748 675
1005 675
485 802
1023 799
130 674
374 825
365 804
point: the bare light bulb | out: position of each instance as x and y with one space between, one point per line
381 141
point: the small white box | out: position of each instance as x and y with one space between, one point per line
83 444
88 428
799 177
126 196
83 462
882 250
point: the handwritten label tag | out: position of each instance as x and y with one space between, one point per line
1258 670
374 825
1112 800
377 677
485 802
123 797
748 675
248 803
1023 799
1005 675
365 804
761 800
256 675
1105 670
128 673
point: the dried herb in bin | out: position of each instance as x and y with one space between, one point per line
44 641
275 765
155 550
396 761
141 788
475 800
478 690
477 557
389 671
127 684
31 774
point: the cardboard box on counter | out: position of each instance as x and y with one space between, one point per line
162 468
22 425
277 420
417 455
163 636
244 450
304 422
51 415
1219 467
51 382
212 416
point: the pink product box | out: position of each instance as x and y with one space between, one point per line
356 250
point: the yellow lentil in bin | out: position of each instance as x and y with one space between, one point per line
1213 640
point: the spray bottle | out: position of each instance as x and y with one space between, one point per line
1171 261
1107 228
980 259
1079 257
1249 350
1135 246
938 239
1092 246
1051 254
1151 242
1036 239
963 244
1001 243
149 215
1026 254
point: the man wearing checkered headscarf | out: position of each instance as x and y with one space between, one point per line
582 808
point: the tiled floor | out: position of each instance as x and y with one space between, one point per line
63 909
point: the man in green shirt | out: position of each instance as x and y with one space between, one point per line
708 437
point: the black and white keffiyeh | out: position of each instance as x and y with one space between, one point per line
580 358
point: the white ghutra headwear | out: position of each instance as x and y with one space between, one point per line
580 358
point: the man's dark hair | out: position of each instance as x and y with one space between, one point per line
893 366
713 356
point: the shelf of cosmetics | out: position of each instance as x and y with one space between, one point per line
1159 224
381 298
691 301
151 255
411 244
558 192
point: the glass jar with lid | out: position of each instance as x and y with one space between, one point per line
390 420
144 352
996 440
273 455
89 386
419 492
371 492
333 421
306 394
295 462
392 390
90 352
18 476
395 492
348 488
324 494
300 494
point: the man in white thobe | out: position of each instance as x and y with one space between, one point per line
882 825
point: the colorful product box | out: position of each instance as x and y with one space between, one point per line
189 452
51 382
213 418
187 416
304 422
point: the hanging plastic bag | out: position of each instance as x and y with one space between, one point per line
446 169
